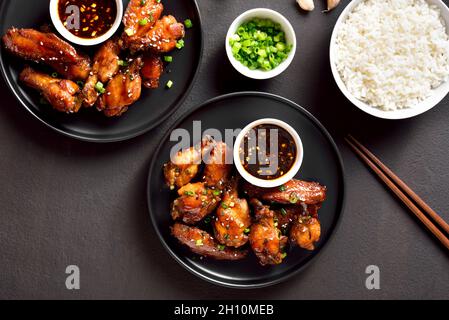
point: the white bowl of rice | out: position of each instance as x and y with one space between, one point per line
390 58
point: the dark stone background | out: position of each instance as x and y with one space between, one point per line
69 202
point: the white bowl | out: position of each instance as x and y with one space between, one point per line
437 95
276 17
57 22
281 180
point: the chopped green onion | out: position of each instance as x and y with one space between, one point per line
284 255
280 46
168 58
188 23
224 205
293 198
199 242
169 84
189 193
100 87
143 21
54 75
260 44
247 230
180 44
143 2
216 192
221 247
282 188
122 63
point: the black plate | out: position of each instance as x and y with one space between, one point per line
322 163
153 107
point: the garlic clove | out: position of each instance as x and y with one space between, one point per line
306 5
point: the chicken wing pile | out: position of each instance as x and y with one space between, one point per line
109 83
218 216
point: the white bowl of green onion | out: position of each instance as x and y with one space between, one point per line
261 43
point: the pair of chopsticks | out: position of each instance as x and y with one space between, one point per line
416 205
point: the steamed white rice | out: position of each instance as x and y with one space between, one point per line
391 53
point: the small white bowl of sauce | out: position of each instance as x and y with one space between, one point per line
86 22
268 153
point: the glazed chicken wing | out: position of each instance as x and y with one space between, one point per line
152 70
218 168
195 202
105 68
302 223
47 48
202 243
89 94
183 167
139 19
106 61
286 216
293 192
77 71
305 232
265 238
61 94
161 38
122 90
233 218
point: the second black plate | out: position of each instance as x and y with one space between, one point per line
153 107
322 163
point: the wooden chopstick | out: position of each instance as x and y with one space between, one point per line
421 203
371 161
